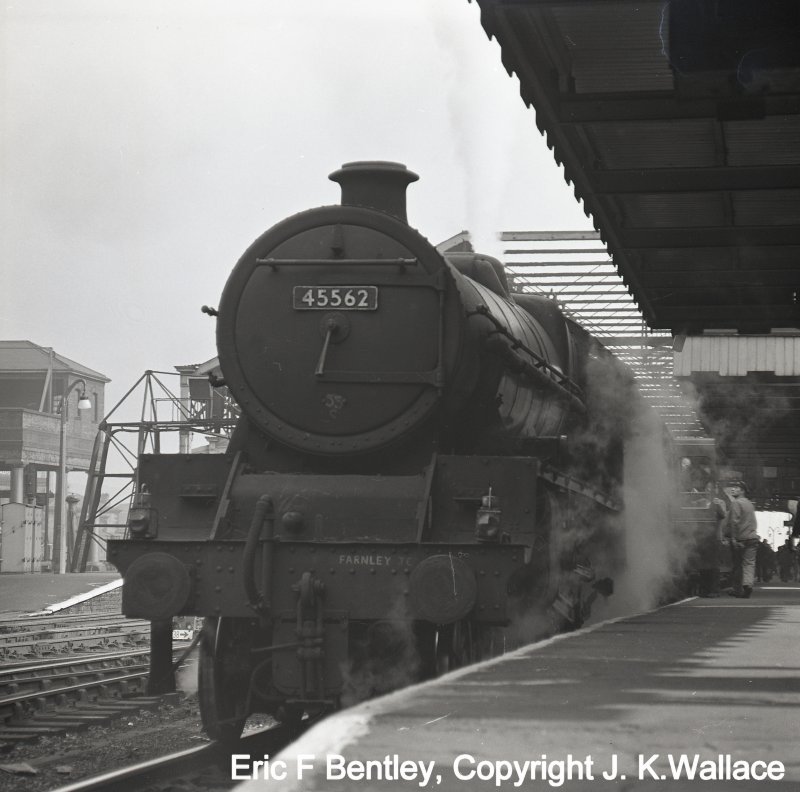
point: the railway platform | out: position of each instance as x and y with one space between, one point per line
700 695
30 593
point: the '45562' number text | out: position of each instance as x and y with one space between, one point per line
342 298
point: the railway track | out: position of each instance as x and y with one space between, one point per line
28 675
42 637
48 689
11 624
36 704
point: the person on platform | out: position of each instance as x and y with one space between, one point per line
786 561
793 523
743 534
765 562
709 573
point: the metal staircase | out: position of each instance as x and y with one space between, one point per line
159 421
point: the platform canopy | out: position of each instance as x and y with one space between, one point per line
679 125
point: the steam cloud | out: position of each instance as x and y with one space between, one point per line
386 659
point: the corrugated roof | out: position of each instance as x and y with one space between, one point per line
738 355
19 356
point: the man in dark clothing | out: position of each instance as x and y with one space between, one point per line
764 562
795 521
786 561
761 561
743 533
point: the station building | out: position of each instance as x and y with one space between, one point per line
33 383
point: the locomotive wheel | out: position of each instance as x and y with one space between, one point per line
223 678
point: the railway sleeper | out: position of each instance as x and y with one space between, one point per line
13 735
59 723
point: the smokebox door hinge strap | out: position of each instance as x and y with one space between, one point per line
337 242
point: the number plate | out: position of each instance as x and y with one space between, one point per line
338 298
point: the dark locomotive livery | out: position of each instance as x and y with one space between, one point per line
421 460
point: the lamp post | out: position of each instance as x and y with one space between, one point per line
60 532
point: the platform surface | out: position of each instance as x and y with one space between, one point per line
708 688
27 593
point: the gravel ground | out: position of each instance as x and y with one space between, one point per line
129 740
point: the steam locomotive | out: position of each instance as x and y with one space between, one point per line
425 461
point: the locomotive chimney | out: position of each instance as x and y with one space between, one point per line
375 185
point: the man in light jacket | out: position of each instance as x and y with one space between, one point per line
743 533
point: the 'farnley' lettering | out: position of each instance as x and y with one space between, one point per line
368 559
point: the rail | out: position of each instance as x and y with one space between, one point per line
210 762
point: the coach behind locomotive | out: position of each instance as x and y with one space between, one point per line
409 468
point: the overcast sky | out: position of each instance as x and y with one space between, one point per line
146 143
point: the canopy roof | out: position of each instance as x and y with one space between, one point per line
679 125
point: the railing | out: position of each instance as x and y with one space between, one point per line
162 416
